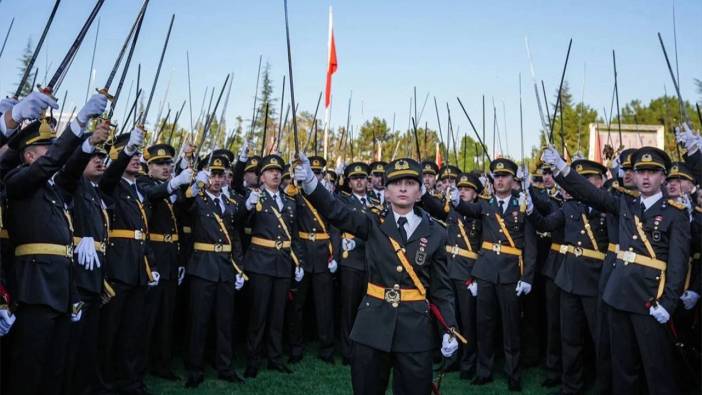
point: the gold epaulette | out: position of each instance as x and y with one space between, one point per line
291 190
485 196
676 204
621 189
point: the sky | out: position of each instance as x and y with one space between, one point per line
384 49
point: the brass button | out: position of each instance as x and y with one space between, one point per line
396 287
580 243
399 268
582 232
395 304
635 237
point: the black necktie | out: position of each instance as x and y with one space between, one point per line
401 227
363 201
134 189
275 199
643 208
502 206
219 205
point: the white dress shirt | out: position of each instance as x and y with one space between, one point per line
651 200
413 221
221 202
278 199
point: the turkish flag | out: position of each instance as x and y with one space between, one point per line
332 64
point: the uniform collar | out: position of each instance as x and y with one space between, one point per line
651 200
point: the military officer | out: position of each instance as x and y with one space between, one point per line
464 237
504 270
429 173
40 227
582 247
319 266
164 247
213 271
352 262
647 278
393 329
273 254
377 183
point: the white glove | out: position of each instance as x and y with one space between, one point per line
449 345
239 282
299 274
203 177
473 288
32 106
689 299
136 140
553 158
348 244
455 196
181 274
659 313
87 256
340 168
525 200
75 317
6 321
523 288
7 103
156 277
244 151
184 178
332 266
252 200
684 136
95 106
303 171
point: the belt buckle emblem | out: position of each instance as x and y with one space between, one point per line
496 248
392 296
168 238
313 237
577 251
138 235
218 248
278 244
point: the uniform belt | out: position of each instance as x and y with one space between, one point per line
164 238
277 244
207 247
313 236
4 234
247 231
44 249
187 229
611 247
577 251
127 234
632 257
100 246
394 295
501 249
456 250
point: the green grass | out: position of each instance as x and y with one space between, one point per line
311 377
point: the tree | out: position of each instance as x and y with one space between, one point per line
266 98
24 64
698 83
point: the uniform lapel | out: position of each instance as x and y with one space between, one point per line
389 227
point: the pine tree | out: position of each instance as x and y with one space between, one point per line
266 98
24 64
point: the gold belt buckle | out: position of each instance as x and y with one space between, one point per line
218 248
138 235
278 244
168 238
563 249
453 250
313 237
392 296
496 247
69 251
577 251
